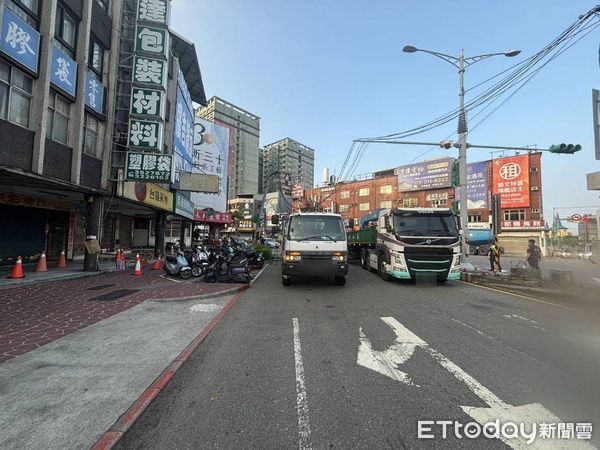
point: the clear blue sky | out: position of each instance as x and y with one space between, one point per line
325 72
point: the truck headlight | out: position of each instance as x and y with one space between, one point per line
398 262
339 257
292 257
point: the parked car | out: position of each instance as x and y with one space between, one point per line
270 242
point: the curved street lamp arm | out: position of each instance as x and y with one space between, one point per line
473 59
448 58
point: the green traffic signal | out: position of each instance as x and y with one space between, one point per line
564 148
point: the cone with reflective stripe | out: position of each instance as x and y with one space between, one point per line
17 270
62 261
41 265
157 264
138 265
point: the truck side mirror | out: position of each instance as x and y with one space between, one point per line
274 219
388 225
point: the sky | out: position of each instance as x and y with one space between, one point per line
325 72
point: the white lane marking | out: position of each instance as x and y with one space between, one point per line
385 362
301 398
474 329
524 318
597 280
171 279
539 328
204 308
496 409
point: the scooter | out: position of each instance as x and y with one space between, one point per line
177 265
223 271
197 260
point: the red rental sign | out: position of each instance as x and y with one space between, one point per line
202 216
511 181
524 224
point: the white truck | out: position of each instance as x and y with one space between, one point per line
407 242
314 245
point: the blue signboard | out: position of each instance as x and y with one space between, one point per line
477 185
63 72
19 40
94 92
425 175
183 137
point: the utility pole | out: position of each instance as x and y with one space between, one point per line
462 158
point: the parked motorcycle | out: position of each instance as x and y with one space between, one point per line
177 265
197 260
225 270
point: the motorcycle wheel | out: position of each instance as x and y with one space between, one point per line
185 274
197 271
210 277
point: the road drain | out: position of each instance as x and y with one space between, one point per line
114 295
99 287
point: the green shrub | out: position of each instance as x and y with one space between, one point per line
265 250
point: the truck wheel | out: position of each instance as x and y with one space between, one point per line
286 281
381 268
364 259
340 281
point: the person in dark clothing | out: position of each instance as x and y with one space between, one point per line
494 254
534 254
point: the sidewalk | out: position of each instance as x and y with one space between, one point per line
34 315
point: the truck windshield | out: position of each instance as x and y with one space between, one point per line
318 228
420 224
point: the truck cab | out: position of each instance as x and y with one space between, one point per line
314 245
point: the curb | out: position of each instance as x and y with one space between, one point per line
73 276
110 438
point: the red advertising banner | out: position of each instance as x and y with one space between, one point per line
524 224
218 217
511 180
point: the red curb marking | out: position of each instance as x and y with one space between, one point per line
110 438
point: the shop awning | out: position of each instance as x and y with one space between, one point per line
188 62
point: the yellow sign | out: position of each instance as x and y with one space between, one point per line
150 194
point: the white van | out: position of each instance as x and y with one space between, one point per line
314 245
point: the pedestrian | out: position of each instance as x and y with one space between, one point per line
534 254
494 254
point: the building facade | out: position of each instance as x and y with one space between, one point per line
244 134
286 163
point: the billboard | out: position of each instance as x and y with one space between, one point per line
477 192
510 179
183 136
211 157
276 203
425 175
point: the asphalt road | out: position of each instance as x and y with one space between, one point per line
314 365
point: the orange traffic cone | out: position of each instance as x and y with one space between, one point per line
157 264
17 270
62 261
41 265
121 265
138 266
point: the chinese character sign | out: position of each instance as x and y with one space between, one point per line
147 102
477 192
94 93
152 40
183 136
19 40
63 72
511 180
156 11
148 167
210 156
145 134
149 71
426 175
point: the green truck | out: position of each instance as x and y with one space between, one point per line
408 242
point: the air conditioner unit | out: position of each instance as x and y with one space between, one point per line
535 188
533 169
535 210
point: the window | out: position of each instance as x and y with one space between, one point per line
411 202
439 202
385 204
15 95
65 30
96 57
57 127
363 192
387 189
475 218
514 214
344 208
25 9
363 207
345 194
91 132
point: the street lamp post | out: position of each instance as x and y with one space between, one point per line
461 63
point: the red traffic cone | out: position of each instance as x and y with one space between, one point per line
157 264
17 270
138 266
62 261
41 265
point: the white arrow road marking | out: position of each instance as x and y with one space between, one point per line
385 362
301 399
204 308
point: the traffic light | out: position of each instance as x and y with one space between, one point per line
455 174
565 148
